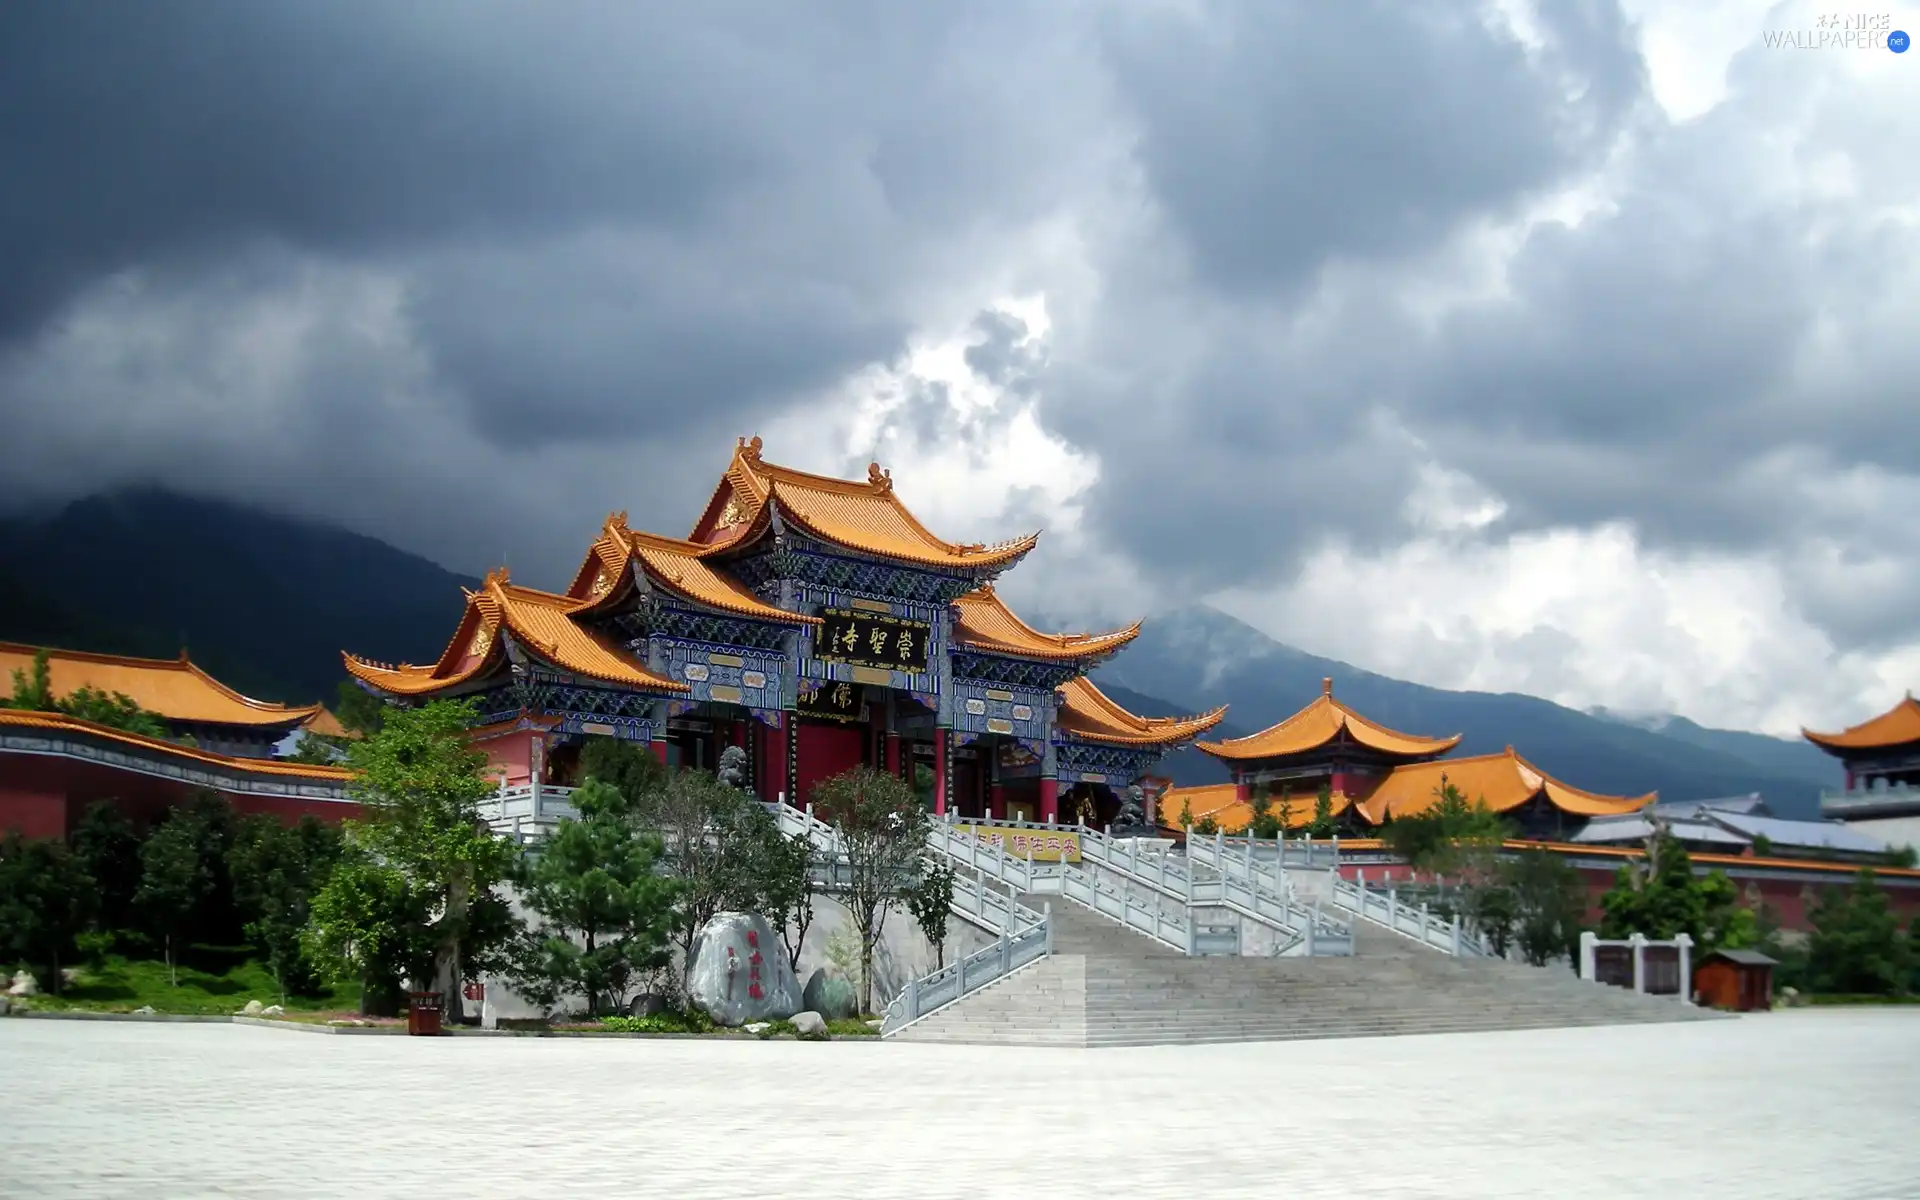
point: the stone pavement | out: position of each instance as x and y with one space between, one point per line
1806 1104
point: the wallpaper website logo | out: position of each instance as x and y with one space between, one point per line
1842 31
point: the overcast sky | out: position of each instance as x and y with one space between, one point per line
1566 348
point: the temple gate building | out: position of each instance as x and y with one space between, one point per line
1374 774
818 625
1882 761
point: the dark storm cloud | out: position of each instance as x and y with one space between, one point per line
1280 137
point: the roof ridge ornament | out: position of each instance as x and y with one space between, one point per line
749 448
880 478
498 575
1326 686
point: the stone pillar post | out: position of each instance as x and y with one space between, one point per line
1587 940
940 781
1685 943
1639 943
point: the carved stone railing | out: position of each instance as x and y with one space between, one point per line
1409 920
526 812
1653 968
968 973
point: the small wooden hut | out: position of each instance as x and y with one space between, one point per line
1738 980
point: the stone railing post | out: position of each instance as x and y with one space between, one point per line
1685 943
960 973
1588 940
1336 852
913 999
1393 905
1456 935
1046 916
1639 943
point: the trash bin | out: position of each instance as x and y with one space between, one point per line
423 1013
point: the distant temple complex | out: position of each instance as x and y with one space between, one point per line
1374 774
816 624
1882 761
52 766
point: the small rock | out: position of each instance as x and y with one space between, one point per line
810 1026
23 984
828 995
875 1024
69 975
145 1010
647 1004
251 1010
758 1026
272 1010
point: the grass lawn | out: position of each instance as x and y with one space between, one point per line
211 982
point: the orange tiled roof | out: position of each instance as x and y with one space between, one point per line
60 722
986 623
326 724
543 621
1897 726
1087 712
1320 723
1232 815
673 564
1503 781
863 516
174 689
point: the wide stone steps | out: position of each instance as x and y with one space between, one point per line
1107 986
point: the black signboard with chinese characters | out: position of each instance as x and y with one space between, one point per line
831 701
872 640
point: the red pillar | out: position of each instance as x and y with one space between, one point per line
740 734
893 755
940 771
997 797
777 780
1242 790
1049 799
660 749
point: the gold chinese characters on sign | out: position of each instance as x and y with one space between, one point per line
872 640
831 701
1046 845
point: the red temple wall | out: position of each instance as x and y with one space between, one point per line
45 796
827 750
511 752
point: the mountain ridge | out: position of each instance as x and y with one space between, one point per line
266 603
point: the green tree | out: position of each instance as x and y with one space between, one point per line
1263 824
629 766
1660 897
604 913
1856 947
1549 905
108 848
786 884
1186 814
930 900
1322 824
46 898
33 687
358 710
372 923
277 869
1206 826
175 883
883 832
420 785
716 838
1451 836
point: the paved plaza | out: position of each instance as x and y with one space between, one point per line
1809 1104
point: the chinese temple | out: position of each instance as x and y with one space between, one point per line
818 625
53 766
1881 757
1374 774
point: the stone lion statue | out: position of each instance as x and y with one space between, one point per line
1133 812
733 768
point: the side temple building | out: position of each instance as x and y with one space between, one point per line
816 624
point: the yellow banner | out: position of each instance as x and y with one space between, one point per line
1047 845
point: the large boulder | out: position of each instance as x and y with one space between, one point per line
740 973
24 984
829 995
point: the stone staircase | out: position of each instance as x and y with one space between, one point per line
1106 986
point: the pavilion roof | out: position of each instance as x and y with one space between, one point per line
986 623
1089 713
858 515
1221 802
61 723
172 688
674 564
1503 781
1318 725
1898 726
542 621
